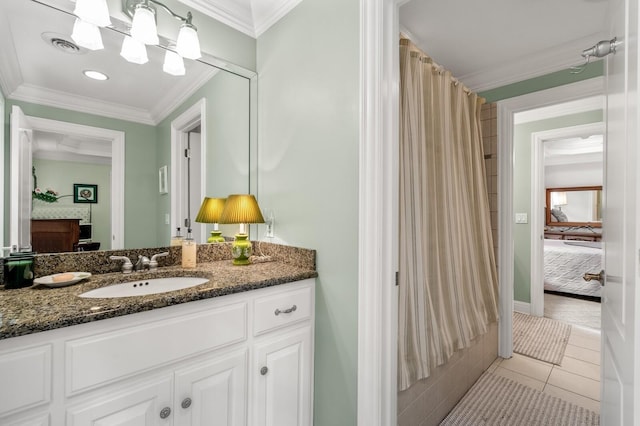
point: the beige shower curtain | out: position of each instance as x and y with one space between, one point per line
448 281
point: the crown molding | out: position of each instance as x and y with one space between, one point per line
578 106
57 99
251 17
229 12
524 68
273 15
177 96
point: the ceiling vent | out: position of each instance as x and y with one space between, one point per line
60 42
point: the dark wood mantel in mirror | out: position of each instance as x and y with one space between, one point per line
574 206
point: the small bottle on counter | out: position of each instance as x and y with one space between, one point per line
176 240
189 251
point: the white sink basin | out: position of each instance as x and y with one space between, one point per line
144 287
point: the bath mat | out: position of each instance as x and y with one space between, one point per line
496 400
540 338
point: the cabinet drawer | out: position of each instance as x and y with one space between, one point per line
278 310
103 358
26 379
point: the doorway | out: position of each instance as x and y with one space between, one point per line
30 124
188 161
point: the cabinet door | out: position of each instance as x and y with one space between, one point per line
213 393
144 405
283 379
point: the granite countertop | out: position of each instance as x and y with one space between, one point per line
35 309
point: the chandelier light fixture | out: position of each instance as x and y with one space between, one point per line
93 14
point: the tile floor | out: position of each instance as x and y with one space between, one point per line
576 380
572 311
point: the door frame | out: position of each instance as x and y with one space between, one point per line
117 141
506 112
538 200
180 126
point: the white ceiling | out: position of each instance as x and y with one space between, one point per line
491 43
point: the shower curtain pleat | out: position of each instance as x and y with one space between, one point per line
448 280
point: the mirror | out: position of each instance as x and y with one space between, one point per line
574 206
41 74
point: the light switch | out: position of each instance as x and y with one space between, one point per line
167 219
521 218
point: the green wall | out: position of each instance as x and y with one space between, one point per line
61 175
522 191
308 110
141 175
555 79
227 155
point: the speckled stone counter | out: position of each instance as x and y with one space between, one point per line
31 310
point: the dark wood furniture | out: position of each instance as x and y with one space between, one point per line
55 235
573 235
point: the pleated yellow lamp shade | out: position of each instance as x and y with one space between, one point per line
241 208
210 210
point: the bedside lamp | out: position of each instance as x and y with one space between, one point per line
242 209
210 212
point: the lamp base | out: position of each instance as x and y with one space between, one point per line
241 249
216 237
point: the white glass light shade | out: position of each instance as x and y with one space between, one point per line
95 12
134 51
188 44
173 63
143 26
87 35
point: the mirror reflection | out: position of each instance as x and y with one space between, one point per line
114 137
575 206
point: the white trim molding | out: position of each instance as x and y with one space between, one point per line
378 189
186 121
522 307
506 111
538 201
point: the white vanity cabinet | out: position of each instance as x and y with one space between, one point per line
236 360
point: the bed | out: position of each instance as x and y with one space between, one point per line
565 263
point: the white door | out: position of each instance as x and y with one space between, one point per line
620 362
146 405
212 393
21 163
282 388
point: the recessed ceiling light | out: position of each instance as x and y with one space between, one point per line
96 75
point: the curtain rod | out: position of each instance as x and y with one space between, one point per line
428 59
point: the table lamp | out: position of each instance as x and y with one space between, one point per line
210 212
242 209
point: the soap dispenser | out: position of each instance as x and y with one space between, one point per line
176 240
189 251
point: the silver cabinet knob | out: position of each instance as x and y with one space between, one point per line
165 412
264 370
186 403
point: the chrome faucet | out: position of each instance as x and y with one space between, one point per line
142 263
153 263
127 266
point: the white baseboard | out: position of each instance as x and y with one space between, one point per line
522 307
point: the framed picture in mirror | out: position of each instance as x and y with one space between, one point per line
84 193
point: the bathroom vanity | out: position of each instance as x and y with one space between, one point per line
237 350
